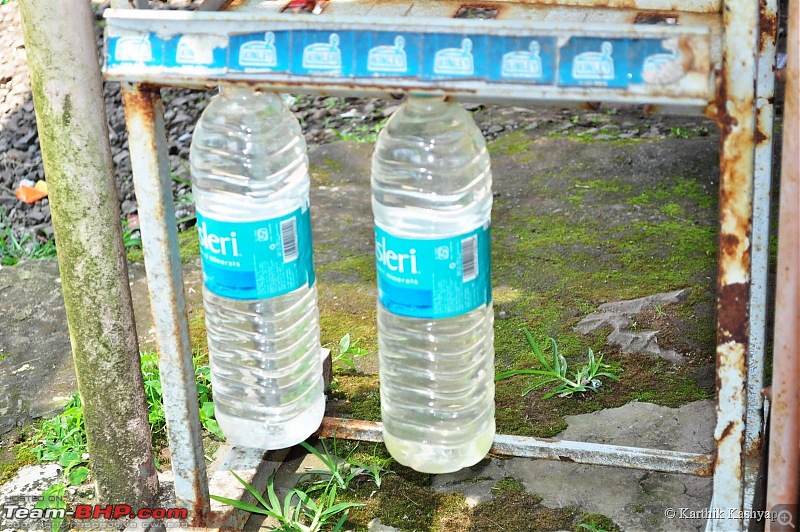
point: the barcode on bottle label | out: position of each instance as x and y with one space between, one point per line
469 258
289 239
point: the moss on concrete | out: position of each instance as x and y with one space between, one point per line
512 144
356 396
16 457
596 523
512 509
509 484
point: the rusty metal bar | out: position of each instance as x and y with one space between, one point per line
147 144
784 456
542 448
452 6
734 111
762 190
145 48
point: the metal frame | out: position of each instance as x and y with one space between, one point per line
737 39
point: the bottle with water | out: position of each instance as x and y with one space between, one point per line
432 202
250 184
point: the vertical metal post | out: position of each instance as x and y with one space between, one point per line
734 111
762 189
784 455
147 143
70 115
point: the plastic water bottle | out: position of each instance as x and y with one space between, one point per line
250 183
432 201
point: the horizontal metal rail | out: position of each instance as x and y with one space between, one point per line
523 60
562 450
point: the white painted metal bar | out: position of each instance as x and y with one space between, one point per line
735 113
147 143
762 190
550 449
664 65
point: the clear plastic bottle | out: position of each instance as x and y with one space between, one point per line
432 202
250 182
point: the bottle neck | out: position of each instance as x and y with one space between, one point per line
425 104
234 91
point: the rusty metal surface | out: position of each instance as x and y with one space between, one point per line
147 144
380 7
542 448
734 111
784 462
254 467
762 190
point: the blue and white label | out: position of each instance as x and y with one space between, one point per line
523 60
593 62
256 260
453 56
140 50
209 52
662 61
436 278
322 53
261 52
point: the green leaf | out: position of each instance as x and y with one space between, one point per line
515 372
251 489
241 505
212 426
344 343
208 409
68 459
78 475
336 508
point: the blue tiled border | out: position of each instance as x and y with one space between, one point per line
537 60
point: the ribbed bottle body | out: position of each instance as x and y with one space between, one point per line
432 200
251 189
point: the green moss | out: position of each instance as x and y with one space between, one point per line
613 186
672 209
198 335
348 307
358 397
509 484
360 269
590 138
512 144
596 522
519 511
4 356
15 458
407 502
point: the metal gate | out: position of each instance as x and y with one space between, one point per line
712 57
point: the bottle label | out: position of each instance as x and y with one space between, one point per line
436 278
256 260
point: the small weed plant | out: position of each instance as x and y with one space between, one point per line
587 378
314 508
62 439
13 249
345 357
155 406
